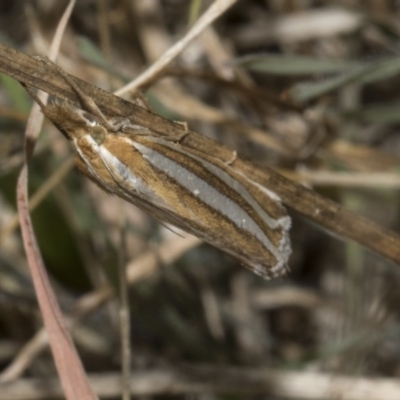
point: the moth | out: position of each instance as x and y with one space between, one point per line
177 184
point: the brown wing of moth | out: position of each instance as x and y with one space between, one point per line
176 184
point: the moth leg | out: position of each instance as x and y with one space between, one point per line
141 101
232 159
181 136
184 124
144 131
118 123
136 129
85 100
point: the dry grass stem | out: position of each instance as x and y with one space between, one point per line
56 177
217 8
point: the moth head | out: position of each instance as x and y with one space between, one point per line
68 119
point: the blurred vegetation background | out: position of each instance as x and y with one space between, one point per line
308 87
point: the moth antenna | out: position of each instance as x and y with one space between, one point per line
35 97
86 101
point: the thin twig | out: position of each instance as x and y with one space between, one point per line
124 315
54 179
217 8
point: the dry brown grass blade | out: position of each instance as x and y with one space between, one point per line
69 367
72 375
